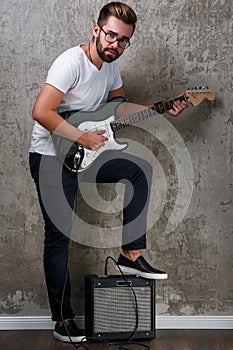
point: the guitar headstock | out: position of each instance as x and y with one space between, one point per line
198 94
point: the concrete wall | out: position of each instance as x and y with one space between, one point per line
177 43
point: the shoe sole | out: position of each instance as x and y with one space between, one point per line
67 339
148 275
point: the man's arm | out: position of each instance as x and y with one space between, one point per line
43 112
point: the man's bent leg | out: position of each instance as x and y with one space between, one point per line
136 173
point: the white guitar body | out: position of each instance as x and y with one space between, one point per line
89 155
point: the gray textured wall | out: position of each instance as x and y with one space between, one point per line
178 43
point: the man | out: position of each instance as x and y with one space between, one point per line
83 76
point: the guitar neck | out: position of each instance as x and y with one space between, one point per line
193 96
145 114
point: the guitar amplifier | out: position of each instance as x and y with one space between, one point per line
111 311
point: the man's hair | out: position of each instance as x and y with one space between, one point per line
119 10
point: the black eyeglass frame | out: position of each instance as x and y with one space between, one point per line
120 41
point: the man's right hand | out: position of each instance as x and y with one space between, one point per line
93 140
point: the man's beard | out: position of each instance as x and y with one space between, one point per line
102 52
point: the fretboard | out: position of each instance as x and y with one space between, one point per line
162 107
145 114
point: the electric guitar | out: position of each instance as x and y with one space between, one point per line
77 158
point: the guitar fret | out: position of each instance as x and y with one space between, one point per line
117 125
168 105
136 118
147 113
132 119
161 108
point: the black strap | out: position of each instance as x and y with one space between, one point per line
65 115
118 99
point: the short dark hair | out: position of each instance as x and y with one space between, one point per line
119 10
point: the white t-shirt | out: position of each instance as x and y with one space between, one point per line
82 83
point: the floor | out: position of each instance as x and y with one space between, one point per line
165 340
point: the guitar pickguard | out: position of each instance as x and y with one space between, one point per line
89 155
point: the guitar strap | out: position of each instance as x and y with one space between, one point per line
65 115
118 99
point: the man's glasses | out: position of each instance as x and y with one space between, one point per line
111 38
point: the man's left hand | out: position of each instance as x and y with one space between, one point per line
177 108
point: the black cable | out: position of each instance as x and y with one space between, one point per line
64 287
124 345
62 299
133 291
81 344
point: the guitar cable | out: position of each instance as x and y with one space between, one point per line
125 345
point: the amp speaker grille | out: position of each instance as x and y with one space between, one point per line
110 308
115 309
